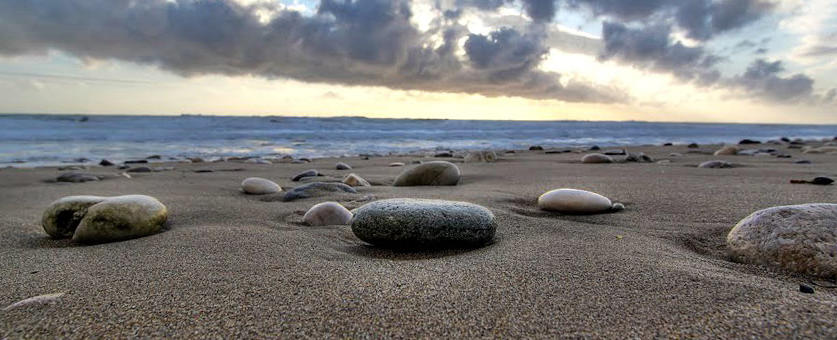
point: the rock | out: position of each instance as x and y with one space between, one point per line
618 207
574 201
639 157
305 159
595 158
664 161
406 222
106 162
77 177
343 166
137 161
693 146
61 217
783 155
716 164
307 173
430 173
558 151
535 148
121 218
816 181
154 157
259 186
616 152
675 154
316 189
481 156
354 180
394 164
803 288
822 149
748 141
258 161
802 161
72 167
727 151
785 139
668 144
327 213
794 146
800 238
140 169
443 154
195 159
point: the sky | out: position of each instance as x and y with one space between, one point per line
762 61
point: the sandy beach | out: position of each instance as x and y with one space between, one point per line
232 265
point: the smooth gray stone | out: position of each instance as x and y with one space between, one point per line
316 189
140 169
77 177
408 223
716 164
343 166
307 173
430 173
61 218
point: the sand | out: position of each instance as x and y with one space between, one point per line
232 265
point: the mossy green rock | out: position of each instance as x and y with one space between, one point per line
62 217
430 173
410 223
121 218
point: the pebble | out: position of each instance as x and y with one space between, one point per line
481 156
443 155
822 149
728 150
395 164
343 166
137 161
595 158
106 162
307 173
353 180
803 161
77 177
327 213
316 189
259 186
748 141
595 148
430 173
616 152
715 164
121 218
800 238
258 161
140 169
535 148
693 146
803 288
410 223
574 201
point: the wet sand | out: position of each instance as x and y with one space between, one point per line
232 265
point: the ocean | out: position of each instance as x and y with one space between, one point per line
36 140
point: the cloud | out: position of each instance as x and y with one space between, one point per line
350 42
652 48
762 79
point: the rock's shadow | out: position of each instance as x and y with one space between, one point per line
411 253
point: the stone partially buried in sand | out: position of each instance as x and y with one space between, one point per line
327 213
353 180
259 186
728 150
574 201
800 238
61 218
715 164
307 173
430 173
596 158
410 223
316 189
121 218
77 177
343 166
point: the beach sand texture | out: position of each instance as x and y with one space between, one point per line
233 265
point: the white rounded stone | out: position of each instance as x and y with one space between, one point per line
801 238
353 180
574 201
327 213
259 186
728 150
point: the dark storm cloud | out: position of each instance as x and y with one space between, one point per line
355 42
762 79
652 48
